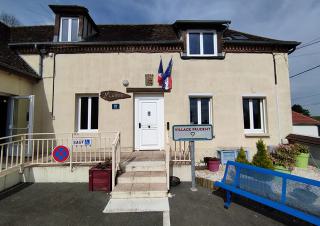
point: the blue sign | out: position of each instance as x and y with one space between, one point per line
115 106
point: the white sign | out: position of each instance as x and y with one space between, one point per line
82 142
192 132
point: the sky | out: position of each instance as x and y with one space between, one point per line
296 20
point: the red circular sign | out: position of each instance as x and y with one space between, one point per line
60 153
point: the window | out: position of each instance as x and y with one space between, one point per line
88 113
200 110
254 115
69 29
202 43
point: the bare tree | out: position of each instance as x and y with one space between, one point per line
9 19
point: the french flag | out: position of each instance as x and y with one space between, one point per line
160 73
166 77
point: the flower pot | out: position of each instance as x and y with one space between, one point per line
302 160
213 165
281 169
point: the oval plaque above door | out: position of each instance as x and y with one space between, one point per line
113 95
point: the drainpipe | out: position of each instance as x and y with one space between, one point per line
277 96
53 81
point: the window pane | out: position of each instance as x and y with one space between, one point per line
84 113
246 114
64 30
208 47
94 112
193 111
194 43
256 113
205 110
74 30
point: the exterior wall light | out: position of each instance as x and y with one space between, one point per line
125 83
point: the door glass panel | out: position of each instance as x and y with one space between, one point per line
64 30
208 47
84 113
256 113
94 112
193 111
205 110
246 114
194 43
74 30
20 117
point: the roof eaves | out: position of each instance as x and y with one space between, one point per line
19 71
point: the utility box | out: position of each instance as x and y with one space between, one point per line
100 179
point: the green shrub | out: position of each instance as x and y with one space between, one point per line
285 155
242 157
300 148
262 158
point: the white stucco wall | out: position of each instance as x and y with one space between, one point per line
227 80
307 130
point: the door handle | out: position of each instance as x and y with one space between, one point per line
149 126
139 125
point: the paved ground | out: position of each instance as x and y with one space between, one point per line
72 204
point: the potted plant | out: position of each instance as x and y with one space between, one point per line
242 157
100 177
302 157
262 157
213 163
284 158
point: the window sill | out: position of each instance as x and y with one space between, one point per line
257 135
220 56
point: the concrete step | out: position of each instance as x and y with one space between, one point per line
137 167
140 190
142 177
137 205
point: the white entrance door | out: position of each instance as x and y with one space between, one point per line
149 122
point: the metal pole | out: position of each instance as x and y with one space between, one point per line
193 172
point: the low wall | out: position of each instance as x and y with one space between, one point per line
10 179
56 174
183 171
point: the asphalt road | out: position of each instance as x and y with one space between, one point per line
68 204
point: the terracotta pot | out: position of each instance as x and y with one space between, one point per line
213 165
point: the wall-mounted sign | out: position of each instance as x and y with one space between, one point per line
192 132
60 153
82 141
149 79
113 95
115 106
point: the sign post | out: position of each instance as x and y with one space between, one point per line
192 133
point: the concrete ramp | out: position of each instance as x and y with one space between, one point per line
137 205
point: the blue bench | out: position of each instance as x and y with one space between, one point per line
297 196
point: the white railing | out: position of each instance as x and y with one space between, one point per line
179 151
116 151
36 149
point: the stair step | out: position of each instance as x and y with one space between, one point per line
131 168
140 190
137 205
143 177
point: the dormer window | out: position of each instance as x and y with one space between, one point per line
202 43
69 28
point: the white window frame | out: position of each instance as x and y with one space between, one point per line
89 113
252 130
215 43
69 28
199 97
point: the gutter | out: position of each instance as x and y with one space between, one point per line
95 43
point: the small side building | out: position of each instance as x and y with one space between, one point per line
304 125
